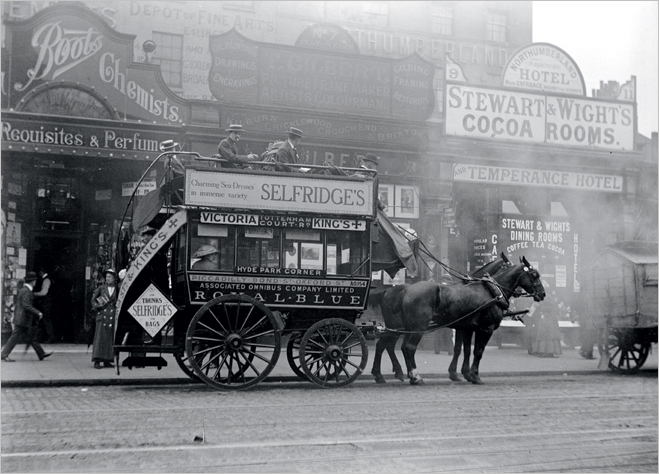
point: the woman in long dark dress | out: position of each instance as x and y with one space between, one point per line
103 302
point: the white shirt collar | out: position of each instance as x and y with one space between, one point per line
29 286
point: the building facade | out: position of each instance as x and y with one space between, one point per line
89 90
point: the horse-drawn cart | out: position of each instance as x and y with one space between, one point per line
238 262
621 300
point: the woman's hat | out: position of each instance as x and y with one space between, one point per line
235 128
30 276
205 250
295 131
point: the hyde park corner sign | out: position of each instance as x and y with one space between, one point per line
249 72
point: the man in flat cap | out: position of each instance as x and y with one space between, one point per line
228 148
287 153
208 255
24 314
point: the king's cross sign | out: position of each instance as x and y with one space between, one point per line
152 310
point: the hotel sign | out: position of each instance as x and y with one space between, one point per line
477 112
278 193
539 178
543 67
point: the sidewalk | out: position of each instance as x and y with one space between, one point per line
71 365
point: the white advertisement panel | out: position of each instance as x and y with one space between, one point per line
504 115
488 113
582 122
278 193
542 178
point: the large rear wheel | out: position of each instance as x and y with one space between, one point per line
233 342
627 352
333 353
293 355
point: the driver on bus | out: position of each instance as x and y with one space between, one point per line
209 258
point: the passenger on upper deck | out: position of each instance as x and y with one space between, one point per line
287 153
228 149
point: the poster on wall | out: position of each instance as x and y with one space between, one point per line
386 196
407 202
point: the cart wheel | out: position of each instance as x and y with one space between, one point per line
233 342
627 353
182 361
293 355
333 353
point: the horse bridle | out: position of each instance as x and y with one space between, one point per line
537 284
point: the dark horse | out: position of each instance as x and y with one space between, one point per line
390 305
477 306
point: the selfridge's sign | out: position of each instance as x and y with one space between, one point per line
69 44
544 67
541 178
152 310
281 291
278 193
245 71
504 115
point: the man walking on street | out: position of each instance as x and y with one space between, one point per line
24 313
44 295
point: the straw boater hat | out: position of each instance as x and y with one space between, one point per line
205 250
235 128
295 131
111 272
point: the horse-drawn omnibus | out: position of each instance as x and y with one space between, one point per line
235 259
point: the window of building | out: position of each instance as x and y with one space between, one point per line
442 20
169 54
497 27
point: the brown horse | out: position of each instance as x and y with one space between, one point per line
390 303
476 306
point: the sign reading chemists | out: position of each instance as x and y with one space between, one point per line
543 178
280 193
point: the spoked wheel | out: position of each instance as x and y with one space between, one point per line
627 353
182 361
293 355
233 342
333 353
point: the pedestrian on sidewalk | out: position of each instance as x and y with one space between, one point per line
24 314
104 303
547 342
44 301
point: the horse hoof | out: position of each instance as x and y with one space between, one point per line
380 379
399 376
455 377
477 381
418 381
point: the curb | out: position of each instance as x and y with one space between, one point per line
276 379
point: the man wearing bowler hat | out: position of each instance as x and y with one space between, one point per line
287 153
228 148
24 314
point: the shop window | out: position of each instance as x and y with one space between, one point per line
497 27
212 247
169 54
346 253
509 207
258 247
442 20
58 203
303 249
558 210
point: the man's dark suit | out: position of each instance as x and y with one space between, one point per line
287 154
25 314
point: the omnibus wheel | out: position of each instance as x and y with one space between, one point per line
293 355
233 342
182 361
333 353
627 353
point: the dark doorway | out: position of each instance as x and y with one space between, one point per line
61 258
